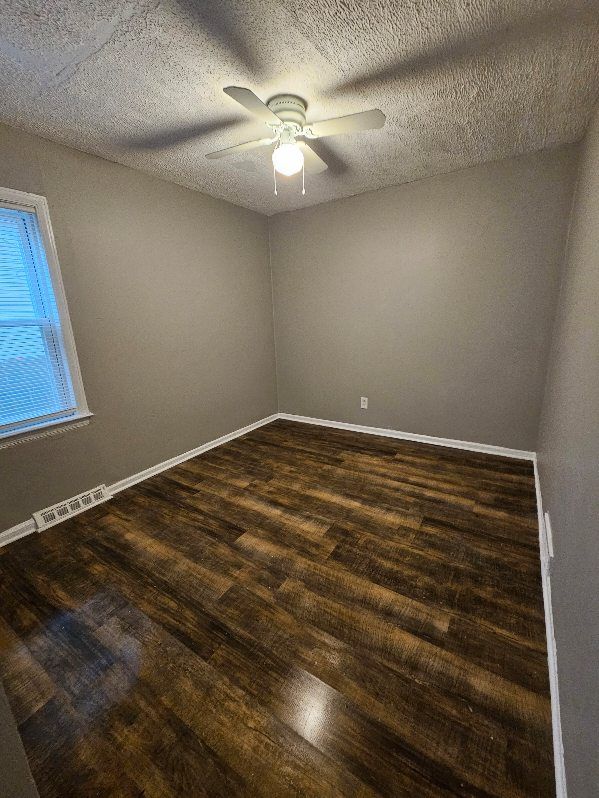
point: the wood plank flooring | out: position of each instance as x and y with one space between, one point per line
301 612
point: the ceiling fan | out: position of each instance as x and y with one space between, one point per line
285 115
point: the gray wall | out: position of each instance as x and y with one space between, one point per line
568 454
170 299
434 299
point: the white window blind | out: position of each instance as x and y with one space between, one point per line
36 386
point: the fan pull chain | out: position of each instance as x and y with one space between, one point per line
274 174
303 179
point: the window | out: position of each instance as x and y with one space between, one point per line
40 382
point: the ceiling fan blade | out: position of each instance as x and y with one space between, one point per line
365 120
313 163
248 145
251 103
327 153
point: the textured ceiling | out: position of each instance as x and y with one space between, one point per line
461 82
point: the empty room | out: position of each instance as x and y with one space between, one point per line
299 399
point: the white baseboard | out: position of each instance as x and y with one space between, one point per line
485 448
29 526
180 458
16 532
546 559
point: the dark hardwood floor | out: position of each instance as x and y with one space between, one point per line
301 612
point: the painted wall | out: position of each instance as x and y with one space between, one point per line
433 299
568 454
170 298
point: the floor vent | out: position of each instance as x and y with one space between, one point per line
58 512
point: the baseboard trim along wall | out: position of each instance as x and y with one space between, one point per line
484 448
556 721
29 526
181 458
17 532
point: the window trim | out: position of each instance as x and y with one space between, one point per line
22 200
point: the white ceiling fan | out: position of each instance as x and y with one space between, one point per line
285 115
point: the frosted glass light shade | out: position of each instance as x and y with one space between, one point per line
288 159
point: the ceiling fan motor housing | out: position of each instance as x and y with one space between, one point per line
290 109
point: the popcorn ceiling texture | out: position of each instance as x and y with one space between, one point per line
460 82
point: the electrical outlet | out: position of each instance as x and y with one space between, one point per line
364 402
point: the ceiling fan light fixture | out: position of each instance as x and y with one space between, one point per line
285 117
288 159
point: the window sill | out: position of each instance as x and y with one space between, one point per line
43 430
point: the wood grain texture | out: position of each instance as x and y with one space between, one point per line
300 612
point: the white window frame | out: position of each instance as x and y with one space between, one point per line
37 204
